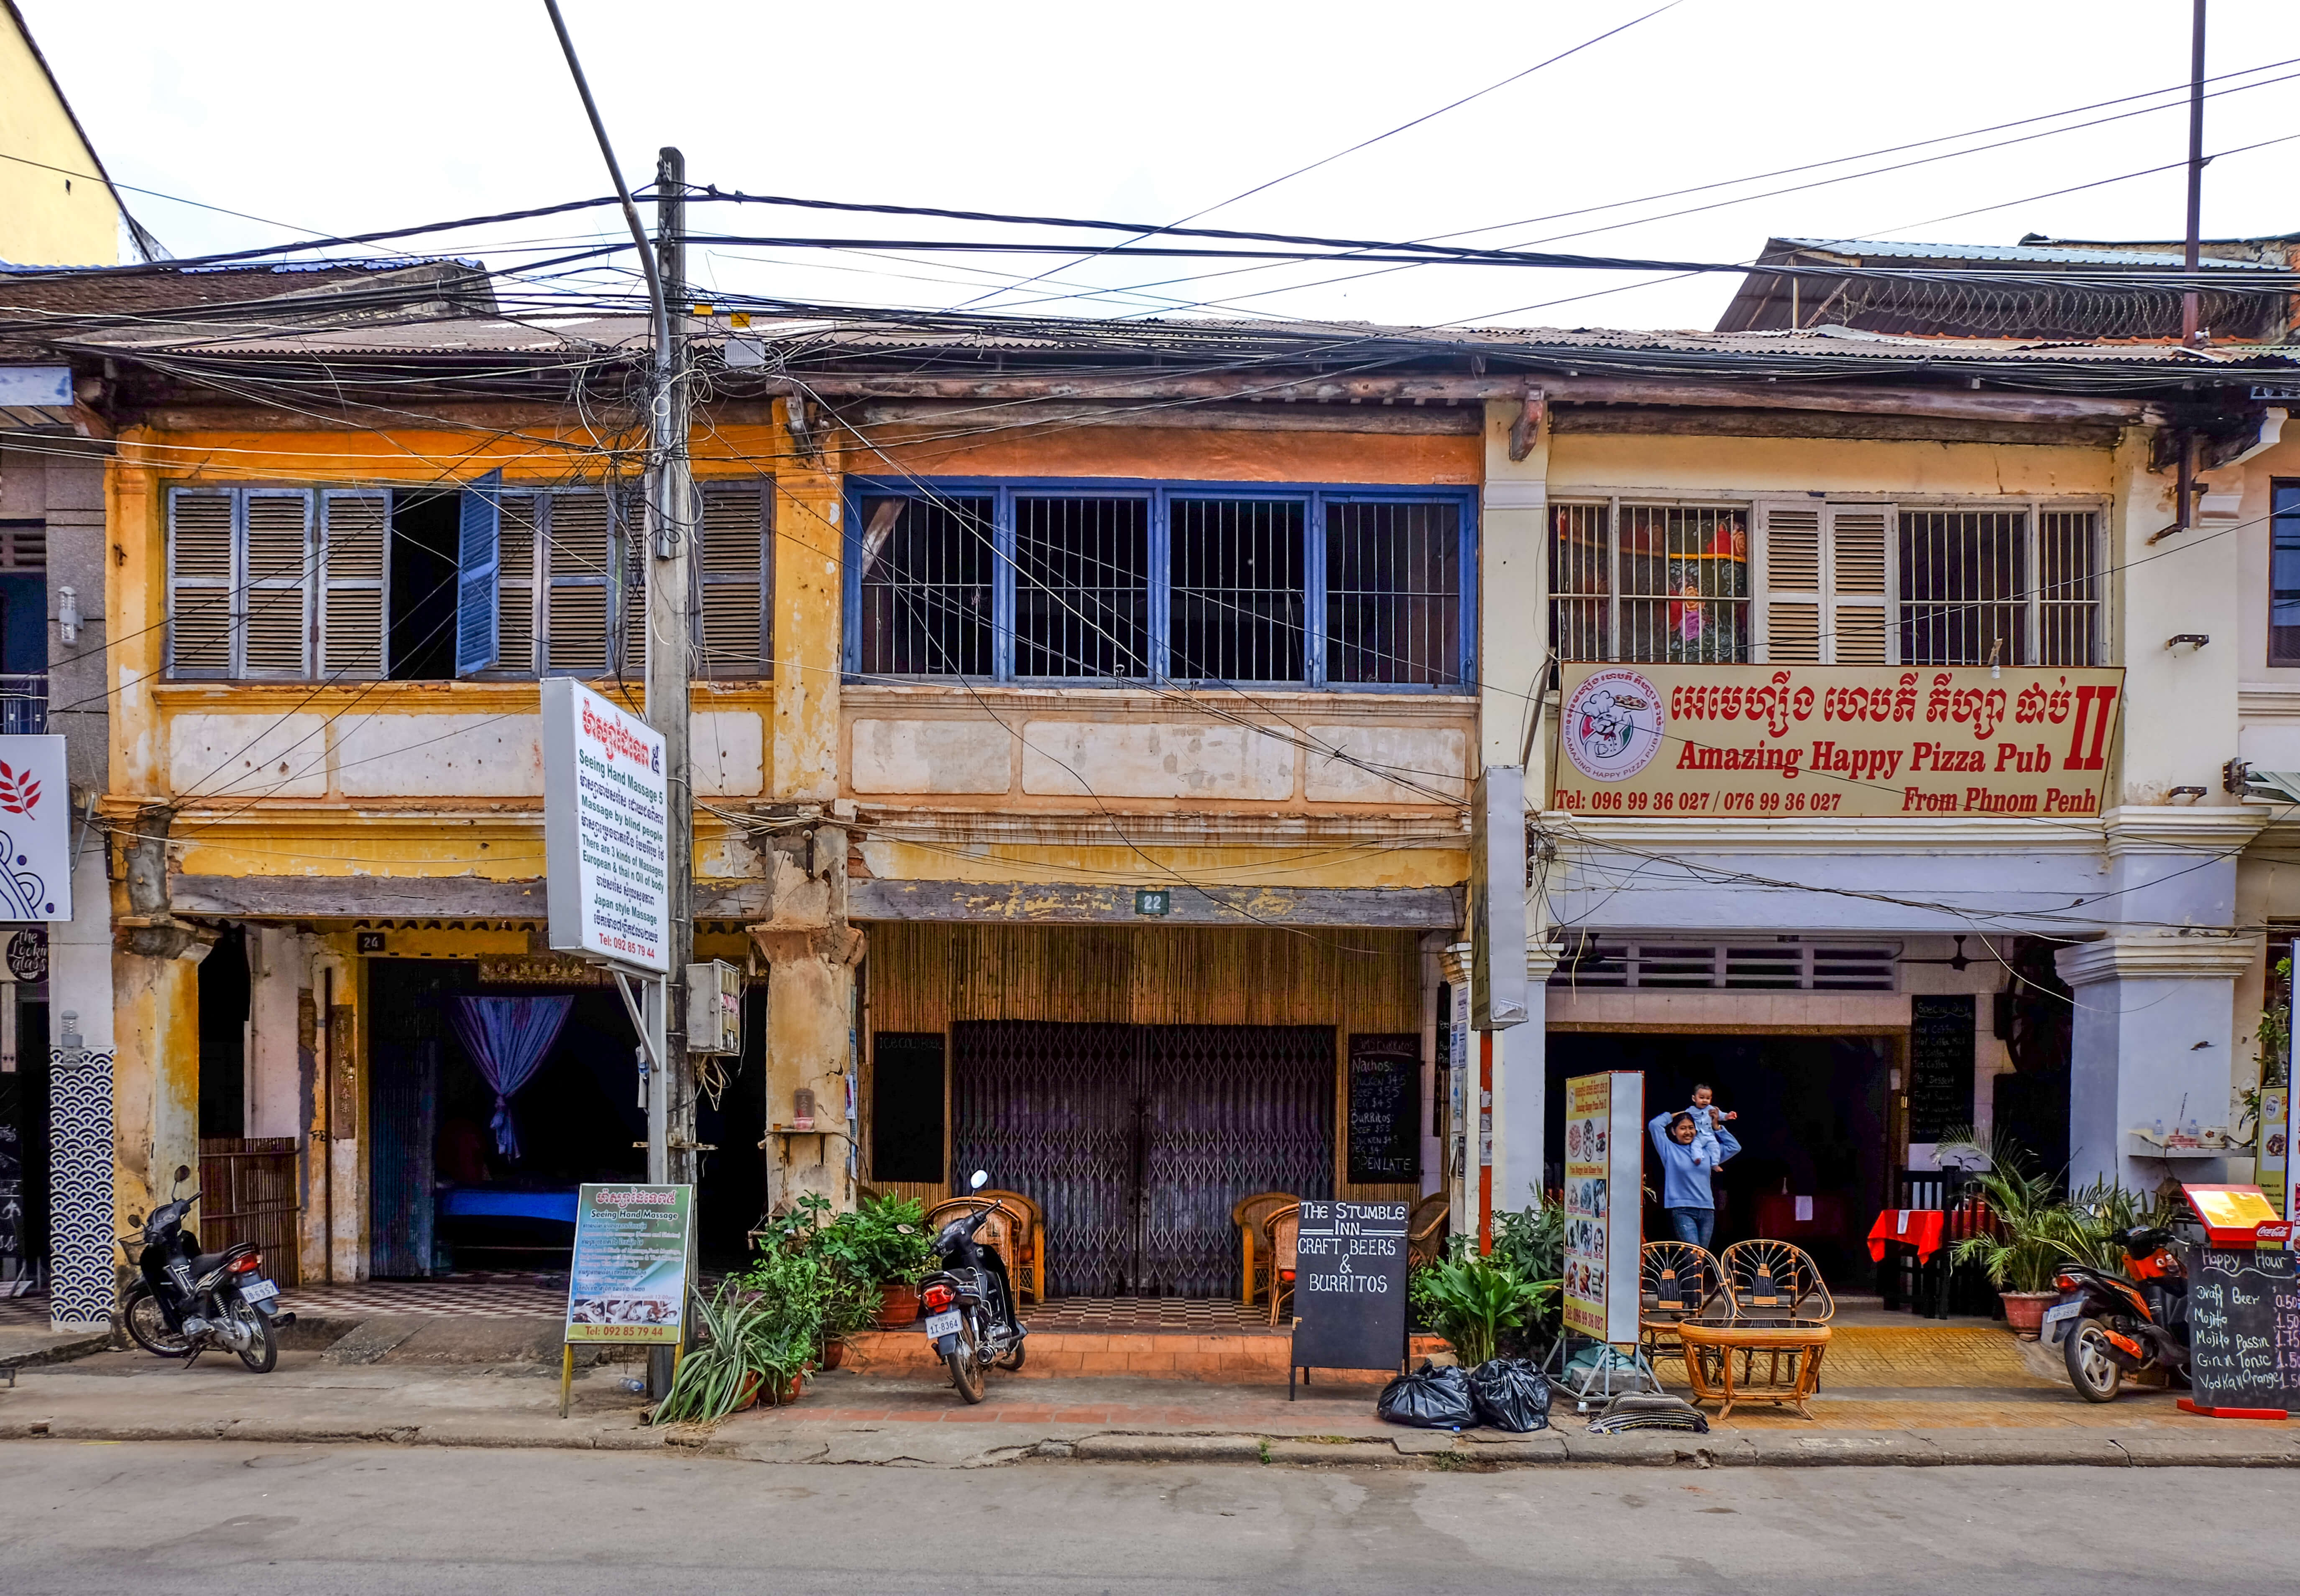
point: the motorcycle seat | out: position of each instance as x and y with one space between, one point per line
208 1262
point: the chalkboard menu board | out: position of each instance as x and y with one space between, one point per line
2244 1328
1386 1107
1349 1286
1940 1065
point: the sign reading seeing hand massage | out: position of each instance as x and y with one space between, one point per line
606 829
1762 741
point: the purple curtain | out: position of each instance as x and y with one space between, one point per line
508 1038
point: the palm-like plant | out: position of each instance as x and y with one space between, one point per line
743 1339
1474 1300
2032 1222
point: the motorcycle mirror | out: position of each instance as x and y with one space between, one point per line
976 1180
135 1219
183 1173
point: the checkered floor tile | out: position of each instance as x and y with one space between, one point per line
24 1311
454 1296
1144 1313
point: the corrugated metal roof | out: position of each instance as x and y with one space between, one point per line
1879 249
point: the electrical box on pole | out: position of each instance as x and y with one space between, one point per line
715 1008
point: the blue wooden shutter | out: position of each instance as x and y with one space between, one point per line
479 556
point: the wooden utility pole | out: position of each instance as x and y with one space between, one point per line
671 527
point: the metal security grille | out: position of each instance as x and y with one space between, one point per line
1755 965
1685 586
1392 593
1581 582
1136 1140
1237 590
1082 588
2068 587
2284 574
1964 588
926 587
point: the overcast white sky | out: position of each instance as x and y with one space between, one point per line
340 119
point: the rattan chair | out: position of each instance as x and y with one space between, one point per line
1280 1232
1425 1231
1031 1241
1000 1232
1677 1281
1772 1281
1247 1213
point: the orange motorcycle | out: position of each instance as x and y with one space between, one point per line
2109 1326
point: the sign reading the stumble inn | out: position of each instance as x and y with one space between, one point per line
1763 741
606 829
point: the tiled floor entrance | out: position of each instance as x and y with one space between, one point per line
1146 1313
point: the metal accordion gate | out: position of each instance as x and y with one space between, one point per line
1136 1140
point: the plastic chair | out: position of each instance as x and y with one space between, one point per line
1281 1231
1247 1213
1677 1281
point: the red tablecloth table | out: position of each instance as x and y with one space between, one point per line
1920 1227
1777 1216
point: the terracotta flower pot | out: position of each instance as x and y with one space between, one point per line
834 1353
750 1397
898 1306
2024 1311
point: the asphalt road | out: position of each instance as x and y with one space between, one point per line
148 1519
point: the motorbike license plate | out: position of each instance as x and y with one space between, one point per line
258 1291
2056 1316
943 1323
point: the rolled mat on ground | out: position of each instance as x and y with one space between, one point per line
1431 1398
1647 1411
1511 1393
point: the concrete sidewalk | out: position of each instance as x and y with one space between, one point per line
1923 1396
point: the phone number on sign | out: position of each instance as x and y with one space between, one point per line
1603 801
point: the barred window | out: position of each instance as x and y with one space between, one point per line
2284 574
1670 587
1999 587
1149 582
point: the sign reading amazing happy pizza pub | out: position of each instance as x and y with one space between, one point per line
1763 741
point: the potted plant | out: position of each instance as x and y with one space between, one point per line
2029 1245
885 1247
744 1345
1472 1300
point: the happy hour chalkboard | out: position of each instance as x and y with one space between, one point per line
1386 1107
2244 1327
1349 1285
1940 1065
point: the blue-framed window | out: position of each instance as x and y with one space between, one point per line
2284 572
1114 582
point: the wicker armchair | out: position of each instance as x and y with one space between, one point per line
1677 1281
1002 1233
1425 1231
1247 1213
1281 1231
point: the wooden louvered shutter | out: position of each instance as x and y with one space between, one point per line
276 536
1859 586
1789 586
579 554
478 575
516 545
734 558
354 573
200 581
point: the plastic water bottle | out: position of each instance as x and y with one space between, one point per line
2157 1125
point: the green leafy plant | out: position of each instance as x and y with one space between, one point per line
2033 1221
742 1338
884 1240
1473 1299
2090 1227
829 1267
2275 1028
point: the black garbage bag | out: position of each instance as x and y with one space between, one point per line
1511 1393
1431 1398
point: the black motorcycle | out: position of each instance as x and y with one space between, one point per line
184 1301
2109 1326
969 1303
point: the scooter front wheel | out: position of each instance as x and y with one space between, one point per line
2096 1376
148 1326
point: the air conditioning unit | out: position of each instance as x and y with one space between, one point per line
715 1008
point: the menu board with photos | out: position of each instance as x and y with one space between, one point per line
634 1257
1605 1169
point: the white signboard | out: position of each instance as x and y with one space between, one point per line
606 829
36 830
1604 1174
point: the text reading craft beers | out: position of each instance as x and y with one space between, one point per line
1851 740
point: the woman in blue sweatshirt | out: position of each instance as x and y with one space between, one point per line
1685 1175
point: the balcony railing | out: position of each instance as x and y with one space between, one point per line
23 704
